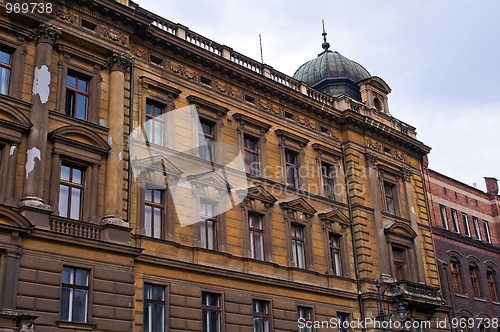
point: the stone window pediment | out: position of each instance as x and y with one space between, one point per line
298 210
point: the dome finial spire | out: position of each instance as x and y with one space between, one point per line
325 45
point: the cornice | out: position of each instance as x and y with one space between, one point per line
461 239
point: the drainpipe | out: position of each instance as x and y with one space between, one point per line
356 268
130 124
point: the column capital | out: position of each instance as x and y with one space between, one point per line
47 33
118 61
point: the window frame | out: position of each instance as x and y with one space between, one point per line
212 309
209 112
72 286
392 198
16 46
85 65
73 186
249 153
465 221
295 240
204 222
456 276
293 144
400 274
153 205
475 282
262 318
302 313
7 66
153 120
293 165
250 127
338 250
444 216
72 109
205 138
477 229
153 302
486 229
252 230
491 279
454 218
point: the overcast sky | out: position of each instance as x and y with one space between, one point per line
440 57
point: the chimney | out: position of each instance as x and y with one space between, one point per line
491 186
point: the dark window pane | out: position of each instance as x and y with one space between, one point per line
63 201
81 107
65 300
80 310
5 57
82 277
71 81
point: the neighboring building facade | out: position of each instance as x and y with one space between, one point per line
93 236
466 232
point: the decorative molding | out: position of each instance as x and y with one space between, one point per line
107 32
118 61
228 90
371 159
271 108
182 71
373 145
283 134
407 173
221 110
46 33
64 15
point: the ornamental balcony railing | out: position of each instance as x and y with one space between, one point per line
419 290
75 228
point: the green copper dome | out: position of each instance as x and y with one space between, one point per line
332 73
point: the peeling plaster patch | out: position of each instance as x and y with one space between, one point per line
12 149
119 156
102 122
30 160
413 210
41 83
110 140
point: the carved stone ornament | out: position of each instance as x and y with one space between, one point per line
115 36
373 144
268 107
47 33
118 61
182 71
65 16
407 173
371 159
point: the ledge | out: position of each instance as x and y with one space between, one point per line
75 326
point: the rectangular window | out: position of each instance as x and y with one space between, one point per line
154 211
465 221
486 228
389 193
5 68
492 284
292 167
474 279
256 231
75 294
328 175
77 96
155 123
343 319
260 316
252 163
71 187
206 140
454 218
208 225
335 254
456 277
305 317
298 246
399 259
444 218
477 230
211 312
154 308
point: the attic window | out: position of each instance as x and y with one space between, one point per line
324 130
377 104
155 60
249 99
205 80
288 115
387 150
89 25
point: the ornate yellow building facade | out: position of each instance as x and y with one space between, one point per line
120 134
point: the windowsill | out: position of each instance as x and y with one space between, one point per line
480 299
75 325
495 302
464 296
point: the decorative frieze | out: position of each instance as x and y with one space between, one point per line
108 33
182 71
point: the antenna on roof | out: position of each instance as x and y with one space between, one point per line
261 57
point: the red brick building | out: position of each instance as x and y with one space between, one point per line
466 232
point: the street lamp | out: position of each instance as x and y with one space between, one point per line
382 315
